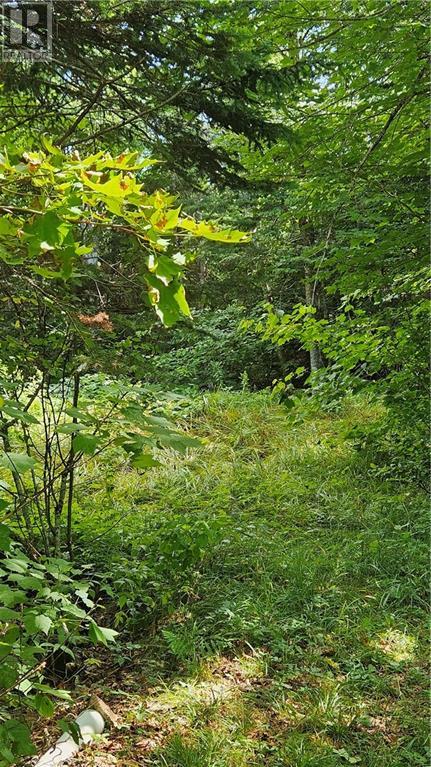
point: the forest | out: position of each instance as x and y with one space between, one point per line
214 391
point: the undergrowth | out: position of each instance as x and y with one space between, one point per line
271 592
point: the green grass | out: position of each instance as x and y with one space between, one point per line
294 634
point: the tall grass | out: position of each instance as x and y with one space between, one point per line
276 542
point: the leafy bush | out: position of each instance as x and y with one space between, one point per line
55 328
46 610
383 354
148 569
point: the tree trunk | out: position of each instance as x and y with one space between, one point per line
316 359
76 381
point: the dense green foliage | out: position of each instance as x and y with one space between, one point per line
53 414
282 588
155 74
45 610
214 400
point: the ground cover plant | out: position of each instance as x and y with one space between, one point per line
283 590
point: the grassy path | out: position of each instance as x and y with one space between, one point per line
299 638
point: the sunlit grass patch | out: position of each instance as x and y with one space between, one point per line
205 748
397 645
216 681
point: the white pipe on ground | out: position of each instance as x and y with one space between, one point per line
90 723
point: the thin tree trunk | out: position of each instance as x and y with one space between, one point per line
72 471
316 359
22 503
